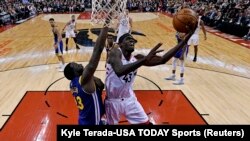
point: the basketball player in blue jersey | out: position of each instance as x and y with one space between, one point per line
86 88
58 44
180 55
121 71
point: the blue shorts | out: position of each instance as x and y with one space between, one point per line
180 52
88 122
59 49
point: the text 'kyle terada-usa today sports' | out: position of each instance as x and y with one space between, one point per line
67 132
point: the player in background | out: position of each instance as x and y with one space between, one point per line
181 56
124 25
195 37
70 31
58 44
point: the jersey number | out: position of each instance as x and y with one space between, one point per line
79 103
128 77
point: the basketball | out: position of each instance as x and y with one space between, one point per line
184 19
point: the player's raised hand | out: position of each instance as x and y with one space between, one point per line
153 52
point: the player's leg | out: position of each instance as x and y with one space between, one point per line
60 56
182 66
134 112
112 109
67 35
120 33
196 43
174 64
77 47
195 53
182 69
175 59
73 35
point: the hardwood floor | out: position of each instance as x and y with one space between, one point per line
217 85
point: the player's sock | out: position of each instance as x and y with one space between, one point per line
66 48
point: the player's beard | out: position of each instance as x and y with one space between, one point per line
130 49
79 71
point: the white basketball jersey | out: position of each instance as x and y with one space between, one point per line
124 26
71 26
197 30
120 87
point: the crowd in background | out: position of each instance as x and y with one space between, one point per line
229 16
12 11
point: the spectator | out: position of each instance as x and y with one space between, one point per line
247 37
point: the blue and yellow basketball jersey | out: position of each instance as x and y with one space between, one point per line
180 52
90 106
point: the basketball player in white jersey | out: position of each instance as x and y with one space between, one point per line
121 71
124 25
195 37
70 31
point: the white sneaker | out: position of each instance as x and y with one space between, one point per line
179 82
151 119
172 77
59 65
61 68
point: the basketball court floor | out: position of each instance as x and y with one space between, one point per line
35 97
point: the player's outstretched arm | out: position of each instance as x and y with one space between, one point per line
166 57
120 69
96 55
203 29
158 60
68 23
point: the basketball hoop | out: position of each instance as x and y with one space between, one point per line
103 9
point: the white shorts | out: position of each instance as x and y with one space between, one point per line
129 107
194 40
70 33
120 33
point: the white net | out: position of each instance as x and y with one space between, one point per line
103 9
